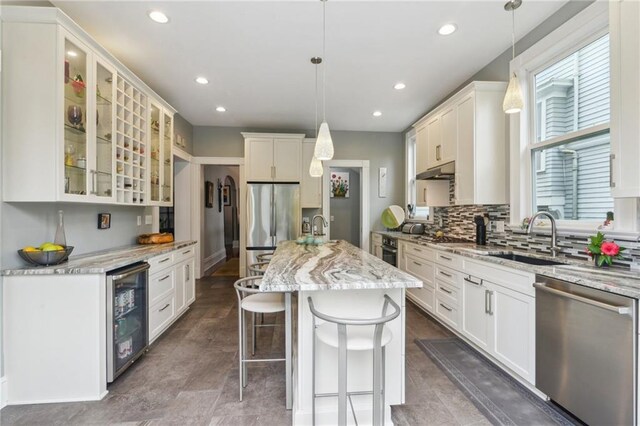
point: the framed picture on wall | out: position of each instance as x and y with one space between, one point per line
104 220
226 195
208 194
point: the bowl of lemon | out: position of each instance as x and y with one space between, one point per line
46 254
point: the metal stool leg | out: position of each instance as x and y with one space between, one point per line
384 407
376 385
253 334
342 375
244 350
313 373
240 363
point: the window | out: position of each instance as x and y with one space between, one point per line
422 212
570 146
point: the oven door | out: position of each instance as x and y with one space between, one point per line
390 255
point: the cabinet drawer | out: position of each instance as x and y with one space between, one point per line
183 254
160 285
511 278
447 310
446 289
423 297
158 263
419 268
160 316
376 238
449 260
420 251
447 275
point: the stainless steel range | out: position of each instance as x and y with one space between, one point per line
444 240
390 250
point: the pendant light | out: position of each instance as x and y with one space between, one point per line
315 168
324 145
513 101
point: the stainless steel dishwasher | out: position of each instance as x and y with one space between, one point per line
586 353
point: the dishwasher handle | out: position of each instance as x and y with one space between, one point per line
622 310
132 271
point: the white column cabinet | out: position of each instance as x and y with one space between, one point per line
273 157
161 156
310 187
624 30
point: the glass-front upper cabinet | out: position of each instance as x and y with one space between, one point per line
167 159
161 137
102 173
88 124
76 65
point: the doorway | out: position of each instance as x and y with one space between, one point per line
231 219
347 211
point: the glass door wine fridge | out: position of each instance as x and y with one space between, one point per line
127 313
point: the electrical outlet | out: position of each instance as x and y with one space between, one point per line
499 225
148 219
332 218
305 219
139 221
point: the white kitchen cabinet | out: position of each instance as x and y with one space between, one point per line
161 156
67 128
432 193
498 315
310 187
418 261
273 157
624 30
480 159
447 152
422 147
434 142
171 288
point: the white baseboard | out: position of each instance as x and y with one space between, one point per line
3 392
212 260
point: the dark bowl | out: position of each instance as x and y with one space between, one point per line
46 258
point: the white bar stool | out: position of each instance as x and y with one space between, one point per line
251 299
264 257
363 334
256 270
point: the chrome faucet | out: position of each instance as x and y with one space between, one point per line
554 236
323 224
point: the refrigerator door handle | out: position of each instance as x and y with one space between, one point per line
272 231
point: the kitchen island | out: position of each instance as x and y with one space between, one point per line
343 281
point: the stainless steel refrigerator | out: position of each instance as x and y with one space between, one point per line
273 215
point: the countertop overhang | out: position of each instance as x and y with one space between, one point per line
335 265
101 262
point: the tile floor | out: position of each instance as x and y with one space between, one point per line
190 377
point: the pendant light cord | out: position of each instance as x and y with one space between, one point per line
316 128
513 33
324 58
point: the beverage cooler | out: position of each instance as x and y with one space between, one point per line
127 313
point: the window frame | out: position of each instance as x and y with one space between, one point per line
581 30
410 178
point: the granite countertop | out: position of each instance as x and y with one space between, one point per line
101 261
332 266
613 280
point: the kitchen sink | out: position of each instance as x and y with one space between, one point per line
527 259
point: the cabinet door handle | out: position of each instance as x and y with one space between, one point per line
94 182
188 272
612 184
164 260
469 280
445 258
273 172
165 307
486 301
164 278
186 252
438 152
416 263
417 249
445 274
447 308
424 195
445 290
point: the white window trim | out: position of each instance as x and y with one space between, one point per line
587 26
410 190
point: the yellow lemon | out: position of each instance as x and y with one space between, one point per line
43 245
51 247
30 248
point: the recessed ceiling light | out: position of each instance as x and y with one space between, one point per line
377 113
202 80
72 53
399 86
221 109
158 17
447 29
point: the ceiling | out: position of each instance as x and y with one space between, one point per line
256 55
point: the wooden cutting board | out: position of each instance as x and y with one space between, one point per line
157 238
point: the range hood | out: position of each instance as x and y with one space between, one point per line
445 171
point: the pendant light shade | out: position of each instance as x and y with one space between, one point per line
513 102
324 145
315 168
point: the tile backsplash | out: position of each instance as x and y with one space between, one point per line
457 221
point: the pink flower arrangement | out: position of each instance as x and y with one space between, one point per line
603 251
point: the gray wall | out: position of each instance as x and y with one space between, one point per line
183 128
346 211
382 149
